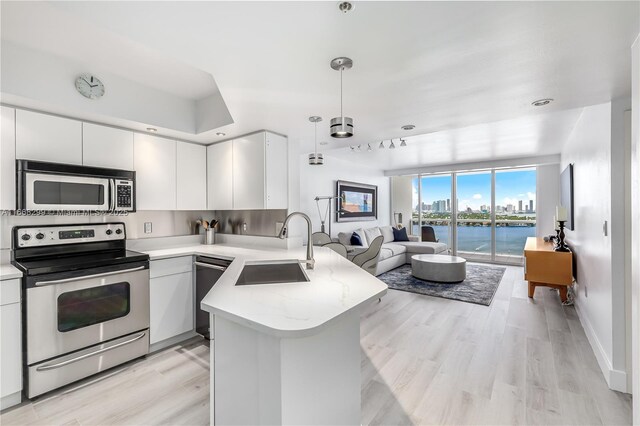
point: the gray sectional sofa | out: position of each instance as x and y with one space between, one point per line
393 253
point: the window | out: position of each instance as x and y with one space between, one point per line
493 214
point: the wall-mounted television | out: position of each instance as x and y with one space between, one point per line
566 195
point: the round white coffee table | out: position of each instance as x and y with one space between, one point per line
439 268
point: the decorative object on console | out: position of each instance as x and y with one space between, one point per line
341 127
566 195
397 218
315 158
356 201
561 216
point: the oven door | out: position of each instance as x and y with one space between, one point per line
61 192
65 314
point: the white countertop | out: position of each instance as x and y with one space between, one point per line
8 272
336 287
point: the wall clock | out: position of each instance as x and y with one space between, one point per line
89 86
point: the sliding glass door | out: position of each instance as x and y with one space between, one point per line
473 215
480 215
515 212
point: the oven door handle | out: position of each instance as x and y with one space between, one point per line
90 354
86 277
112 190
208 265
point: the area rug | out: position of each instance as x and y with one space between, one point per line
479 287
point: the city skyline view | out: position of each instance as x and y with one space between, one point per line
515 191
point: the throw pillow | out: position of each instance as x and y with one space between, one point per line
363 237
372 233
345 238
355 239
400 234
387 234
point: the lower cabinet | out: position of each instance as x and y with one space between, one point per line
171 299
10 344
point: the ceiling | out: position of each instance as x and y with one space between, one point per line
437 65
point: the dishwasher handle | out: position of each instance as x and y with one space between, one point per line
208 265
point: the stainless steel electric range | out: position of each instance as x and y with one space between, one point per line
85 298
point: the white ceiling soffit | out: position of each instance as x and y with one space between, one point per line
437 65
531 136
44 49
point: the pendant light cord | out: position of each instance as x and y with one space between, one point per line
341 113
315 137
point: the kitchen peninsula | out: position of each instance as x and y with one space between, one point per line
285 353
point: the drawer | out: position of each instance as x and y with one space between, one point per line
174 265
10 291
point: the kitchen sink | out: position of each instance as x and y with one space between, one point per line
289 271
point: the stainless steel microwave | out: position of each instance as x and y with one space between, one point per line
55 187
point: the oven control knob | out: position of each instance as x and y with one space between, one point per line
118 231
109 232
26 237
39 235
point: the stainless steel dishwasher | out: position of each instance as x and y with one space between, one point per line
208 271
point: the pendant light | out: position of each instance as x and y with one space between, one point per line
341 127
392 146
316 158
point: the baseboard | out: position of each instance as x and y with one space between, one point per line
616 379
10 400
172 341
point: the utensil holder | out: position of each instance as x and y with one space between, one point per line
210 236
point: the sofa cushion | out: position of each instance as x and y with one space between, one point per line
396 249
387 234
423 247
372 233
344 238
385 253
400 234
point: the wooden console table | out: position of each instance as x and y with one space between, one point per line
543 266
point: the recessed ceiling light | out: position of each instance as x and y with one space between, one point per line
221 134
345 6
408 127
151 129
542 102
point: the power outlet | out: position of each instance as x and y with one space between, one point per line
147 227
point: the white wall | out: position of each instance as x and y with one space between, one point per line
547 197
321 180
402 199
596 148
635 191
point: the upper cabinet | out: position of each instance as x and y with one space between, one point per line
260 172
191 167
49 138
276 172
104 146
155 166
249 172
220 176
7 158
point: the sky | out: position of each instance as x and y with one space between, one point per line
474 189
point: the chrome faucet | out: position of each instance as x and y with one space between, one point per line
310 260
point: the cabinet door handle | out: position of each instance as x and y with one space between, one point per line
208 265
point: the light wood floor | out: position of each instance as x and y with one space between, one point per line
425 360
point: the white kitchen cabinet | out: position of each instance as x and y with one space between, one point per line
49 138
260 175
10 343
154 161
276 172
104 146
220 176
7 158
191 168
171 294
248 172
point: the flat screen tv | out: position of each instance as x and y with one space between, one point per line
566 194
